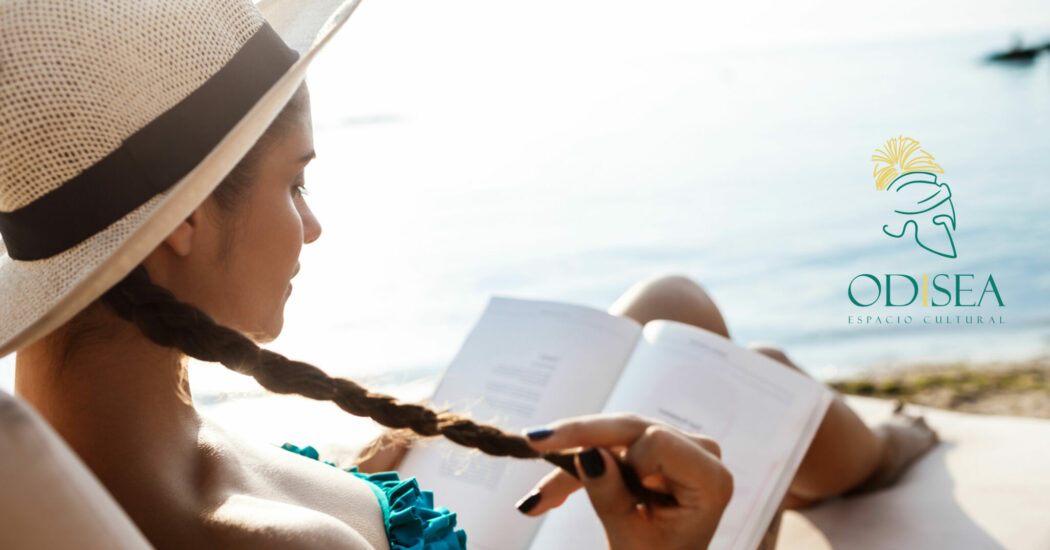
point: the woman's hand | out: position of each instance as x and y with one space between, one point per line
384 453
667 459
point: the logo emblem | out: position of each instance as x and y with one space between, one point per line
919 201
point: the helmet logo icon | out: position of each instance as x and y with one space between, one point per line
919 202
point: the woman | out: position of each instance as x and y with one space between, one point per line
152 209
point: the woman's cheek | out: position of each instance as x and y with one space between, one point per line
295 237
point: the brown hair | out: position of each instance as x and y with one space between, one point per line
169 322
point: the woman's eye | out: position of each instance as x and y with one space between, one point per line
299 187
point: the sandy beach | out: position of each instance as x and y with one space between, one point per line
1016 387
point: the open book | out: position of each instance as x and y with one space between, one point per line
527 363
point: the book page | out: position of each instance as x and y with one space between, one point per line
526 363
763 415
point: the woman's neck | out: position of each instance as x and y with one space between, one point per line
115 398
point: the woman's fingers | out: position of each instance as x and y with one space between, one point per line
696 475
664 457
601 477
552 491
683 463
599 430
604 430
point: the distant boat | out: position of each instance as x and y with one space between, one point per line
1019 53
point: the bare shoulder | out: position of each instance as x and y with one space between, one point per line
263 496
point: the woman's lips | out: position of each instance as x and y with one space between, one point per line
296 272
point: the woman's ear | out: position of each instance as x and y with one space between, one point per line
180 241
171 257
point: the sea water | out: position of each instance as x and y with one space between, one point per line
568 151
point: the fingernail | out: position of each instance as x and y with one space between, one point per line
536 434
530 502
592 462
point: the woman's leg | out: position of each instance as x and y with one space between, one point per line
670 297
844 454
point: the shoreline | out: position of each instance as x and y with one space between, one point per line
1011 387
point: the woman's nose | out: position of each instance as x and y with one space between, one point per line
311 227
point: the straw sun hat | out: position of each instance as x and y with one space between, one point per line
117 119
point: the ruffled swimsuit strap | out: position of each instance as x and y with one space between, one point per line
411 519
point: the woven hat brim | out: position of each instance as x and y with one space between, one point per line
40 296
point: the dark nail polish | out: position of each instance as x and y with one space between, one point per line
592 462
530 502
536 434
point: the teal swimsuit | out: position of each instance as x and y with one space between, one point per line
412 521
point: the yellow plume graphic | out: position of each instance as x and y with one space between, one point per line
895 158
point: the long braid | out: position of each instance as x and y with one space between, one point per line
169 322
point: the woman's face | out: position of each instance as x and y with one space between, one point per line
246 256
267 232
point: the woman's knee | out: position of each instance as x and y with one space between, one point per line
773 352
673 297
